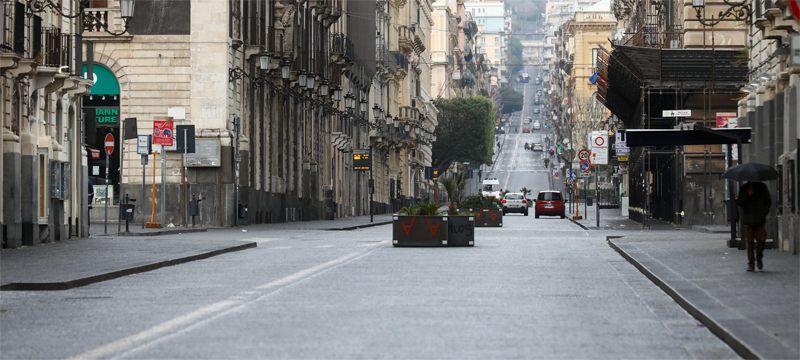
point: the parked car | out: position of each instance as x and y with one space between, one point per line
550 203
526 130
537 147
537 125
514 202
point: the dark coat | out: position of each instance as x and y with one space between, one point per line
754 207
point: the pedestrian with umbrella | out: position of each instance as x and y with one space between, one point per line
754 199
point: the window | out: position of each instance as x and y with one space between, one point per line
595 51
549 196
101 4
15 109
59 122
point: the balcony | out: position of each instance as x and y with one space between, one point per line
409 114
405 39
56 50
342 49
94 18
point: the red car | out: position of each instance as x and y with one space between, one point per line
526 130
550 203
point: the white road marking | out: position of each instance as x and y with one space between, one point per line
181 324
280 248
323 246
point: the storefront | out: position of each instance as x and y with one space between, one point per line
102 116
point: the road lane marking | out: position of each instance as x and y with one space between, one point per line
323 246
181 324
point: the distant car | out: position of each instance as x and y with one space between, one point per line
528 120
536 124
550 203
538 147
536 110
514 202
526 130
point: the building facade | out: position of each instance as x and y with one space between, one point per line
770 108
493 24
43 163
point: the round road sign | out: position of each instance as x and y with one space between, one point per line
585 166
583 155
599 141
109 143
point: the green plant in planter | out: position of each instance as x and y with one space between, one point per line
479 202
428 209
409 210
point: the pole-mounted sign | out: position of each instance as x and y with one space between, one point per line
361 160
108 143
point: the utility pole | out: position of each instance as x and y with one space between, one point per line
597 196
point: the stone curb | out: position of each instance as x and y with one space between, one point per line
720 331
162 232
120 273
348 228
577 223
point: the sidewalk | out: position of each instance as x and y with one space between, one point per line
757 314
79 262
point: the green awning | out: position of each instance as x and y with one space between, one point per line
105 82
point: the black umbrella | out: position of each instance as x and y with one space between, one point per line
750 172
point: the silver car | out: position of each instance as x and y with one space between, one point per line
515 202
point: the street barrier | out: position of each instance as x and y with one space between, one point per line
488 217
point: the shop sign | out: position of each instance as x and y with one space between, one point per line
106 115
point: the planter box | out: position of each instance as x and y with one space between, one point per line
488 218
419 230
461 231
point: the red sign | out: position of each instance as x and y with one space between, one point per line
794 7
163 132
108 143
583 155
724 119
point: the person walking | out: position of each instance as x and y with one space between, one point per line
754 199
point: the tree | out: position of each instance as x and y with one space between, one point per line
466 130
511 99
515 56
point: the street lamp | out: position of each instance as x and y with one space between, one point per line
323 88
389 118
286 69
349 100
740 11
363 104
302 78
126 8
337 93
310 81
263 61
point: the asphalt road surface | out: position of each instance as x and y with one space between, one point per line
535 288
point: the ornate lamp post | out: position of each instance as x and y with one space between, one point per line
125 8
737 10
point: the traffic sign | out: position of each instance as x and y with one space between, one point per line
109 143
583 155
571 174
599 143
585 166
556 174
163 132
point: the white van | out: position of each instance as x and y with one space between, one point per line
491 188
